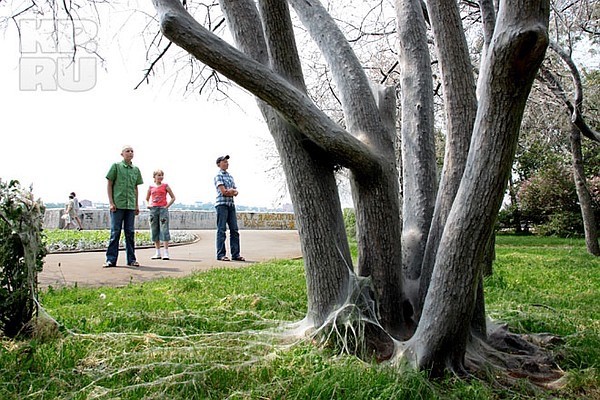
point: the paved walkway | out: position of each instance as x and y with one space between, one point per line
85 268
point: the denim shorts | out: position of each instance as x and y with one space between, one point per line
159 224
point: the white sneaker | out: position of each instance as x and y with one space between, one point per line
156 257
166 256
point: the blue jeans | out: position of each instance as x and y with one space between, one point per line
121 219
159 224
226 216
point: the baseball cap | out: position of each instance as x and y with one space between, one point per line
222 158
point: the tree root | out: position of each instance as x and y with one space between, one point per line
512 357
504 358
353 328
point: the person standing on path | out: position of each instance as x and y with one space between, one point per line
156 198
123 180
69 214
226 216
77 212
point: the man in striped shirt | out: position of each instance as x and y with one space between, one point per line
226 216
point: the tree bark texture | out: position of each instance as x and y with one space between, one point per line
461 107
375 195
488 19
317 207
583 194
419 176
517 50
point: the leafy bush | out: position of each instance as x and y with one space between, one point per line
562 224
510 218
549 202
350 222
594 186
21 257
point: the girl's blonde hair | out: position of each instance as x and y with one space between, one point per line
157 171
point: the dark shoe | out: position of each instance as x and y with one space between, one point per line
108 264
224 259
240 258
134 264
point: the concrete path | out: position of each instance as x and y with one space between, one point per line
85 268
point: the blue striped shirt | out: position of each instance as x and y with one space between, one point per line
225 179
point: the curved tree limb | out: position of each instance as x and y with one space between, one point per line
181 28
360 108
574 107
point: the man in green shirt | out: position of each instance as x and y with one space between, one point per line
122 188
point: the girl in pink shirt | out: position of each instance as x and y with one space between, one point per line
156 198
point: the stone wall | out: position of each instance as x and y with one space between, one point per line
179 219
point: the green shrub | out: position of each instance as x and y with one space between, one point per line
21 257
511 218
548 202
562 224
350 222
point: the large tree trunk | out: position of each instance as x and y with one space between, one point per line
419 173
461 106
583 194
517 50
311 144
317 206
376 201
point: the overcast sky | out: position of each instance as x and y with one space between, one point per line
61 141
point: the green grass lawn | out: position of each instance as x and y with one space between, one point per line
549 285
214 335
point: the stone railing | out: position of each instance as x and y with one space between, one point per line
179 219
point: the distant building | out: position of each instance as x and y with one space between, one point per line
287 207
86 203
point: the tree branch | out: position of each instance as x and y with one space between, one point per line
574 108
488 18
181 28
151 67
360 108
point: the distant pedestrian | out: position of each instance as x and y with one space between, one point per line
159 213
226 215
69 214
123 179
77 206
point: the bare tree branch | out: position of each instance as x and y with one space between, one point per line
555 87
151 67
